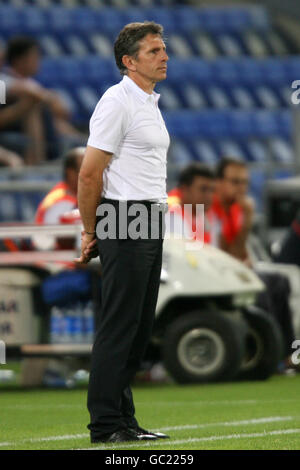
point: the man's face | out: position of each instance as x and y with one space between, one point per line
200 191
151 61
30 62
234 185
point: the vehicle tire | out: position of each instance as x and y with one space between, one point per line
264 345
203 347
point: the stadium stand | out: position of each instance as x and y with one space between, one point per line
229 75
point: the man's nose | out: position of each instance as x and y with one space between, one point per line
165 56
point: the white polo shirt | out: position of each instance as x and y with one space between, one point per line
127 122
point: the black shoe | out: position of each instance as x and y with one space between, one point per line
144 432
122 435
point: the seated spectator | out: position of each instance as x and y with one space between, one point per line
32 109
61 199
234 211
232 207
196 185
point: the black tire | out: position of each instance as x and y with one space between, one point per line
264 345
215 335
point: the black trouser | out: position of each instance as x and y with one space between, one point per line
130 282
275 300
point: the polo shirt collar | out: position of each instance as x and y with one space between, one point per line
138 91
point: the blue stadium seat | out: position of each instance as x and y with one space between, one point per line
186 19
84 20
51 46
72 71
225 71
88 98
75 45
242 97
267 97
179 46
281 150
59 20
229 45
50 72
218 97
249 71
110 20
10 20
206 151
240 124
133 15
162 16
292 69
236 19
231 148
33 20
256 150
265 124
180 153
257 185
169 99
197 71
213 19
193 96
274 71
98 70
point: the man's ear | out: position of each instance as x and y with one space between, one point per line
129 62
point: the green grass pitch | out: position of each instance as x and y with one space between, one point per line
241 415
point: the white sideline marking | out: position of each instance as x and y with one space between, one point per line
271 419
200 439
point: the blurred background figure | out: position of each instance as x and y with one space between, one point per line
196 185
34 117
62 197
60 204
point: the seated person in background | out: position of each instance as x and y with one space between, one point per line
32 109
232 207
62 198
196 185
234 211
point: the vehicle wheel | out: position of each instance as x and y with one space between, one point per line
203 347
264 345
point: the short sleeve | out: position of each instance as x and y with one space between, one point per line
108 125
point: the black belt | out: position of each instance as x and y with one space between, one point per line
162 205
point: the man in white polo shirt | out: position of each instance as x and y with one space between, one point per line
125 164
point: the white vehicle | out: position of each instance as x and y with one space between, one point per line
206 326
206 323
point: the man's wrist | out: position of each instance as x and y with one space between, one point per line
90 233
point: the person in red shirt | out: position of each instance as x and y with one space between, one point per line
63 196
196 185
232 207
234 210
61 201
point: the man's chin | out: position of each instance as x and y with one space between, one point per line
161 76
